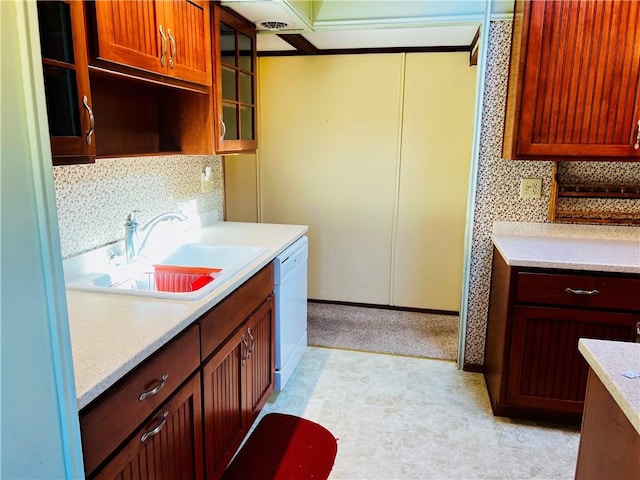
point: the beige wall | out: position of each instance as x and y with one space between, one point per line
439 104
342 152
241 188
329 135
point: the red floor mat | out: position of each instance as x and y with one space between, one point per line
284 447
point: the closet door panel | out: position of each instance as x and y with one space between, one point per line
439 102
329 130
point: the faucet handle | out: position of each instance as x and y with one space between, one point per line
131 217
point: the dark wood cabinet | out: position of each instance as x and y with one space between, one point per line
134 403
184 412
170 38
223 379
261 359
169 445
234 73
66 81
532 365
609 442
574 86
237 381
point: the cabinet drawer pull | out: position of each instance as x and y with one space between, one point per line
174 48
637 145
253 342
155 389
92 120
223 128
164 46
156 430
581 292
246 349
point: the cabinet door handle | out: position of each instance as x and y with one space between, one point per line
586 293
174 48
638 332
223 128
155 389
92 120
246 349
637 145
164 46
253 342
156 430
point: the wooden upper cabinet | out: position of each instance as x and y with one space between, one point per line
128 33
574 86
234 76
169 38
190 40
66 81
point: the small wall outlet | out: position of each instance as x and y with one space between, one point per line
530 187
207 185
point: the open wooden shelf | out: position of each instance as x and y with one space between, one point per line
583 190
591 191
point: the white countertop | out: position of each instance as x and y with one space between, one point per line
573 247
608 360
111 334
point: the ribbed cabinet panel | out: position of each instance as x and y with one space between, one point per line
262 362
581 93
546 367
129 15
175 452
237 381
189 23
129 33
223 377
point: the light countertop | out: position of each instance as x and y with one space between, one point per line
573 247
609 360
111 334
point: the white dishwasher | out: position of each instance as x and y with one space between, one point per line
291 309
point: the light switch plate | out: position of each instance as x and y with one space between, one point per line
530 187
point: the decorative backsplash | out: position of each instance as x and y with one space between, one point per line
93 200
497 189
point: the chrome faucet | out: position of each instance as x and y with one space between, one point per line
132 244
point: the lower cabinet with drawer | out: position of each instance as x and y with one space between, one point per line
185 410
237 377
169 445
532 365
137 404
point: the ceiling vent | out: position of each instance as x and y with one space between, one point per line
273 25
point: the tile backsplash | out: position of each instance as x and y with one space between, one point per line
93 200
497 188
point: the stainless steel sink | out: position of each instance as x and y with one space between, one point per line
138 278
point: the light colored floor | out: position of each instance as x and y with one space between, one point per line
412 418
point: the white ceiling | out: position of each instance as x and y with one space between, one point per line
350 24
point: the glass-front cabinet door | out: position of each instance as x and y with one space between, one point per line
235 83
66 81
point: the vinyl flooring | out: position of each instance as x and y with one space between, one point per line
399 417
